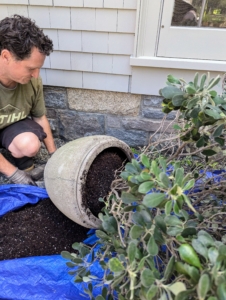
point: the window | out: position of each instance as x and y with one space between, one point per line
197 41
193 29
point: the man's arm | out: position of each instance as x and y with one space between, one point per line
6 167
48 141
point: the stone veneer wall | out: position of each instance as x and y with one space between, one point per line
74 113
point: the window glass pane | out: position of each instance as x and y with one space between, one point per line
188 13
214 14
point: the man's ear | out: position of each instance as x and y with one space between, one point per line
6 55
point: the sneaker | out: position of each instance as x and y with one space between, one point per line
24 163
37 173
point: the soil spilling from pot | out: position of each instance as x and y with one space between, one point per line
100 176
39 229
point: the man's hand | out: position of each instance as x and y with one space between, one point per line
21 177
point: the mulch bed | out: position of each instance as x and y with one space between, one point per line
41 229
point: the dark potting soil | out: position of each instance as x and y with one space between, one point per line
39 229
100 176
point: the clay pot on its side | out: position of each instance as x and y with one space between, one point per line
66 171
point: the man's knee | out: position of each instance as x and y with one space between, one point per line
25 144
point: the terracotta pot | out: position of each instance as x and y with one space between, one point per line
66 171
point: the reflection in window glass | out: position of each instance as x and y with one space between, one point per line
208 13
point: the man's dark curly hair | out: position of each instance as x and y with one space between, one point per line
19 35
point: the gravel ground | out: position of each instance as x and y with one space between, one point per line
41 158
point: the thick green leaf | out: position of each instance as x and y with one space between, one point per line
168 207
213 254
189 185
145 176
164 179
218 130
159 222
102 235
173 221
169 91
128 198
200 248
205 238
174 231
201 142
129 167
152 292
189 231
179 176
173 79
169 268
146 187
221 291
110 225
145 161
152 247
136 231
177 100
147 278
177 287
115 265
131 250
214 82
220 141
154 199
202 81
213 113
203 286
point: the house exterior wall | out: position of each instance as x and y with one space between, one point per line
87 79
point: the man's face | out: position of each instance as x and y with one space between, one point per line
21 71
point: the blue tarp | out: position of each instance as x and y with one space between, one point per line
38 277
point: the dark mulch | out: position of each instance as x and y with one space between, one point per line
100 176
39 229
42 229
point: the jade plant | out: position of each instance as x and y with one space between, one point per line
164 221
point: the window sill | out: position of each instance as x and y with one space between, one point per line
177 63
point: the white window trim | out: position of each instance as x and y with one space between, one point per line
149 13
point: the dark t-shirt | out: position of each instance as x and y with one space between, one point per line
23 100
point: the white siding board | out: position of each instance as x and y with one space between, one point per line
40 15
83 19
64 78
95 42
113 3
102 63
82 62
53 35
121 43
106 20
126 21
60 17
121 65
70 40
18 9
60 60
106 82
43 76
3 11
94 3
41 2
23 2
130 4
70 3
47 63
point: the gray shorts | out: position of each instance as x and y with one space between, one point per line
8 133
